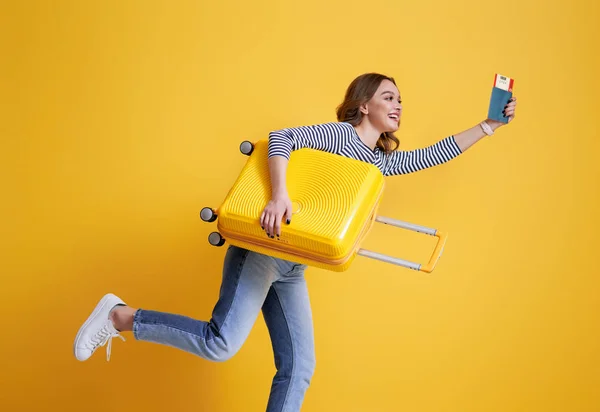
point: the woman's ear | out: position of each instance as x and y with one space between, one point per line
364 109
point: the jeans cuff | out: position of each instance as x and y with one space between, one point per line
136 323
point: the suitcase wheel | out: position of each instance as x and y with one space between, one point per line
216 239
208 215
246 147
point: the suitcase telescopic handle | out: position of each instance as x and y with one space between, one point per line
437 253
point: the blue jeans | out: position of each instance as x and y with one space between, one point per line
251 282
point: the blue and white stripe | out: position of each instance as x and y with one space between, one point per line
341 138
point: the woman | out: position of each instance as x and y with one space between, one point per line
367 119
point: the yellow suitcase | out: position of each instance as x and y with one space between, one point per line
334 205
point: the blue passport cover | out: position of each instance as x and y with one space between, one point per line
501 94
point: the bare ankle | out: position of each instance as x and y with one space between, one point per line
122 318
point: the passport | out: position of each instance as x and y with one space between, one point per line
501 94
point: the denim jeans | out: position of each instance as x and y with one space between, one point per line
251 282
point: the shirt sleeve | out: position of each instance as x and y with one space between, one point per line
403 162
328 137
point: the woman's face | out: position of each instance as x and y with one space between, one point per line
384 109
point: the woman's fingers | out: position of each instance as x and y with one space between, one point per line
509 109
277 224
270 223
272 217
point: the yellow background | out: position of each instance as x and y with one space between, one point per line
120 120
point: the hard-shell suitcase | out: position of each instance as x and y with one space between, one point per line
335 200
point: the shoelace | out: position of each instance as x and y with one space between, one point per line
104 336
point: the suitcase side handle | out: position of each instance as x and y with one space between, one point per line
437 252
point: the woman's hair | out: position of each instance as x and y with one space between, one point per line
358 93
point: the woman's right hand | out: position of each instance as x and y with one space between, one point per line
278 208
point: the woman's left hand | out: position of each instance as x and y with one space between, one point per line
509 111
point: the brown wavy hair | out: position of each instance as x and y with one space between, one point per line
360 91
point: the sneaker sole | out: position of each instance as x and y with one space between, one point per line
99 307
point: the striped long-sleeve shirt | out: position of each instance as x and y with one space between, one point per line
341 138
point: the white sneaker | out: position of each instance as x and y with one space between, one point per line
97 330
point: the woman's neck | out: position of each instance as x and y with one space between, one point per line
367 133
